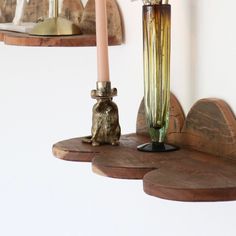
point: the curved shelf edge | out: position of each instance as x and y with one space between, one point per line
191 181
75 150
20 39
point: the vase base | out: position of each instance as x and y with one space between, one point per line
157 147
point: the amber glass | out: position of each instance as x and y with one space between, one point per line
156 35
156 57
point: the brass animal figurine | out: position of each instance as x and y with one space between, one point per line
105 128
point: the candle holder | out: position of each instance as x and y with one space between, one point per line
55 26
105 121
156 54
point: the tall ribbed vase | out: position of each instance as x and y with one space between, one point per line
156 59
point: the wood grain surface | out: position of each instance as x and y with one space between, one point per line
129 163
209 127
20 39
204 169
35 9
76 150
114 23
7 9
198 177
72 10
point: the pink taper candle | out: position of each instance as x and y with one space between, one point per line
102 40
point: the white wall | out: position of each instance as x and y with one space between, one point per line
44 98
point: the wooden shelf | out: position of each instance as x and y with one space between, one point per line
185 175
204 169
77 11
20 39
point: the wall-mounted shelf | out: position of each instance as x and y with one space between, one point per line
20 39
83 16
204 169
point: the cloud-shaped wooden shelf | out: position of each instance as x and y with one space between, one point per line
84 17
204 169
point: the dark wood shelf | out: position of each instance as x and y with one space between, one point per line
204 169
185 175
193 177
20 39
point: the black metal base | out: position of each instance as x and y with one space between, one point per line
157 147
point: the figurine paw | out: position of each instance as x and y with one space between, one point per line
115 143
95 144
87 140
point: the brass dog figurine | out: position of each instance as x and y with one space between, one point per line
105 127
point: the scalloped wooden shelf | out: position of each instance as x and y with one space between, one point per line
76 11
20 39
204 169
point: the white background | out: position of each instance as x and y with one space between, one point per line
44 98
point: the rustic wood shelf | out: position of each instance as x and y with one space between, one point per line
20 39
204 169
84 16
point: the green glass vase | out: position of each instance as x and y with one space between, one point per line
156 59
